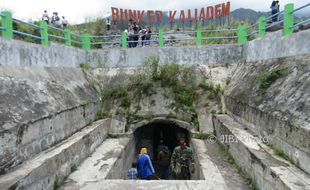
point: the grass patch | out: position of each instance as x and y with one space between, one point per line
266 78
279 152
227 156
85 66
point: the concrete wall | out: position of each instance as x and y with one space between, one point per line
40 107
281 112
211 54
19 53
275 45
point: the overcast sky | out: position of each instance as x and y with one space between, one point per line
77 10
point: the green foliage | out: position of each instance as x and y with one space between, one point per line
101 114
227 156
279 152
227 81
85 66
266 78
125 102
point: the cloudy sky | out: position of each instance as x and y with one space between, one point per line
77 11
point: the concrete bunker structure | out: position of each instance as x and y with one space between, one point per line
148 134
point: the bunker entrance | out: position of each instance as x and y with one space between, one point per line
155 136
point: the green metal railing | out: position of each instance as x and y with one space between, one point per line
86 41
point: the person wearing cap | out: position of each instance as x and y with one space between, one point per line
145 166
182 161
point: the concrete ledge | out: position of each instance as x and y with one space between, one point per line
267 170
55 163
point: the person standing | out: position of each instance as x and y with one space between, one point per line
108 24
64 22
145 166
45 17
182 161
163 158
275 8
133 172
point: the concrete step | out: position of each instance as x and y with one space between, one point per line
107 168
268 171
48 169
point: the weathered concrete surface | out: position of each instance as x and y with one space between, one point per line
275 45
105 164
282 112
40 107
211 54
108 161
19 53
52 165
150 185
268 171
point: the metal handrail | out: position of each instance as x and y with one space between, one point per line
274 24
106 36
254 32
75 34
75 41
220 30
300 23
219 37
55 36
295 10
55 28
26 34
27 23
99 43
271 16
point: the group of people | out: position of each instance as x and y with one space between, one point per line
178 165
134 33
55 19
275 8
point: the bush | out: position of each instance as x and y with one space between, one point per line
266 78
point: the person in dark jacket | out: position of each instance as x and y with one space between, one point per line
275 8
145 166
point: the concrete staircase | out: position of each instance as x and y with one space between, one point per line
50 168
256 159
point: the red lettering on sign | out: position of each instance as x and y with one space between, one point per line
150 16
171 16
115 12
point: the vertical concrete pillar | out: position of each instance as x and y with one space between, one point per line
124 40
161 38
7 24
262 26
85 41
242 34
67 35
44 33
198 37
288 19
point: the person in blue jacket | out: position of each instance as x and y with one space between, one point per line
145 166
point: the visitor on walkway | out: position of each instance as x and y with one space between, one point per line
55 18
182 161
64 22
108 23
45 17
275 8
148 35
145 166
133 172
163 159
